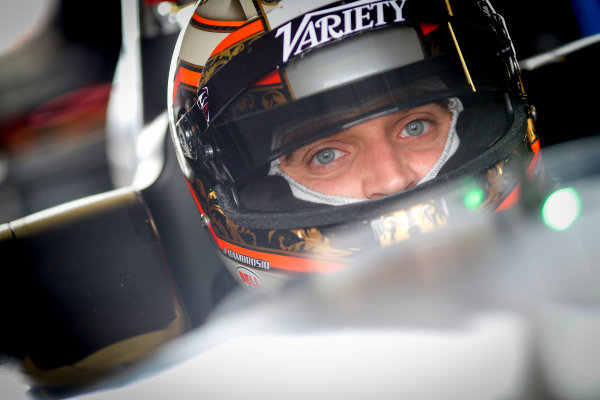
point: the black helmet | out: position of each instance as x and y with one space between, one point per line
252 82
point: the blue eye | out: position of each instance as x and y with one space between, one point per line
326 156
414 128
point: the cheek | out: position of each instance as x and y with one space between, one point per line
422 161
343 185
340 181
425 160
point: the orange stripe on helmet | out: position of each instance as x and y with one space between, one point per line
427 28
186 76
189 77
515 195
189 185
239 35
510 200
271 78
212 22
278 261
535 146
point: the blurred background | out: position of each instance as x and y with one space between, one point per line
78 83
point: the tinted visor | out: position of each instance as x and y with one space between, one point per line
343 84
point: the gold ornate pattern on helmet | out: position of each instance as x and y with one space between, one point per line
312 241
260 97
218 60
233 45
306 241
284 241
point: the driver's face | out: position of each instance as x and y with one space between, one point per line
379 157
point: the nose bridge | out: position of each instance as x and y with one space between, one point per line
386 167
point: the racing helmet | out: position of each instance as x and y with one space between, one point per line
251 81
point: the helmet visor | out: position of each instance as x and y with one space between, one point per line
336 87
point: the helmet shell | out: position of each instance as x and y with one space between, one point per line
235 53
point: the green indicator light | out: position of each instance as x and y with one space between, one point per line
561 209
473 198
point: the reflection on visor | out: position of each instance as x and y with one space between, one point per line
278 131
425 68
353 59
486 120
